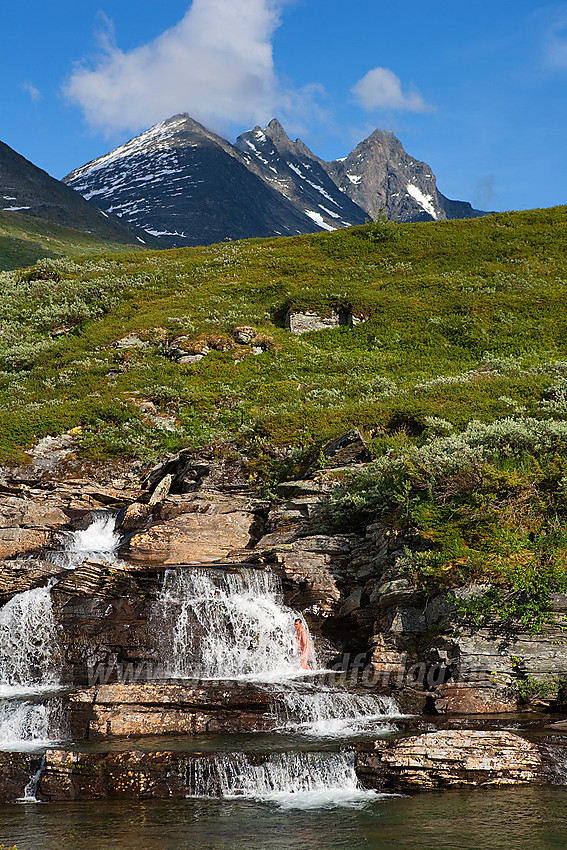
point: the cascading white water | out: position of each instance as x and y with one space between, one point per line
228 625
29 671
29 654
213 624
325 712
99 540
292 780
30 725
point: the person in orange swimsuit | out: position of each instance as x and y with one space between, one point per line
302 639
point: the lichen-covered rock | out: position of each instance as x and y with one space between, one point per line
17 576
307 565
136 515
455 758
168 708
128 775
244 334
15 542
205 532
303 322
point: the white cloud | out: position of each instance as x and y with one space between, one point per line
216 64
380 88
33 92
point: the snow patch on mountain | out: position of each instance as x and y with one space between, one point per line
424 201
318 219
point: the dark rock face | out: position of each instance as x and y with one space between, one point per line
109 629
189 186
193 470
127 775
346 450
16 769
293 170
26 189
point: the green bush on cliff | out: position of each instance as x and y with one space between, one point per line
489 504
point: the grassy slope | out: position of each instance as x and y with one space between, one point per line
466 321
24 240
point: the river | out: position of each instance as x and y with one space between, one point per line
534 818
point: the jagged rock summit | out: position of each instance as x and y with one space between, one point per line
188 186
380 175
295 172
26 189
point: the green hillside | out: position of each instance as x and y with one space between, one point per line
457 376
24 240
465 320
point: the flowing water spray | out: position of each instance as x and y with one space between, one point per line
292 780
324 712
99 541
29 671
227 625
30 661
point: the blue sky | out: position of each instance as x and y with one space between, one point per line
478 90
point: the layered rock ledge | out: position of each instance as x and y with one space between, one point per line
457 758
169 708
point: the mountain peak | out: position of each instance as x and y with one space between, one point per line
28 190
182 182
275 128
278 135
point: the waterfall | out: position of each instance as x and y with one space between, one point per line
29 654
227 625
31 788
27 725
214 624
292 780
29 671
99 540
30 715
324 712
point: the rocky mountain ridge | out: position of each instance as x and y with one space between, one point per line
26 189
189 186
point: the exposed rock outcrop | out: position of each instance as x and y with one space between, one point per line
168 708
303 321
194 530
198 507
456 758
17 576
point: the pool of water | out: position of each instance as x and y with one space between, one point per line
534 818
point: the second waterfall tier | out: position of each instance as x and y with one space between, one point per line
212 624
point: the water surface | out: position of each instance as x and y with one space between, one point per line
489 819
